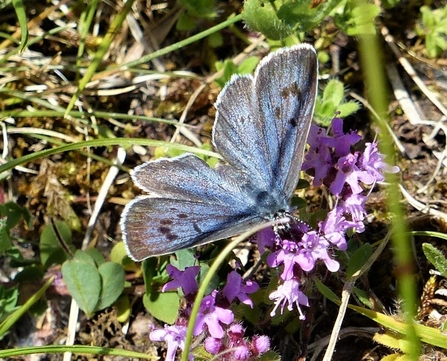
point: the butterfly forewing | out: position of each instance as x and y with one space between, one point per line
262 122
285 89
236 129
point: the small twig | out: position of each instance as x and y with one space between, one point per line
410 111
102 195
319 345
420 206
379 119
411 72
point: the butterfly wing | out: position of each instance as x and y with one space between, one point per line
286 101
237 134
189 204
263 121
261 129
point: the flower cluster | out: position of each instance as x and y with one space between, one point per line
215 320
294 249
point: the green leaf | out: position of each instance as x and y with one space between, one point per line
33 273
298 202
270 356
51 251
348 108
228 69
16 315
260 15
97 256
428 18
358 259
363 297
214 282
84 284
149 267
200 8
248 65
327 106
124 309
14 214
436 258
118 253
434 29
361 20
200 354
215 40
252 315
8 300
112 284
84 257
298 15
325 291
185 258
185 22
334 91
163 306
5 241
327 109
21 16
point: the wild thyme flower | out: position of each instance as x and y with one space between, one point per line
260 345
372 162
186 280
174 336
212 316
236 287
331 161
289 294
235 346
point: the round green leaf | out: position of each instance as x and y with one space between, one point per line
51 251
163 306
112 284
84 283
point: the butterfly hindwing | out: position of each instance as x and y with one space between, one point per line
189 204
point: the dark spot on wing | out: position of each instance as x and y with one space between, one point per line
277 112
182 215
164 230
292 89
197 228
171 236
166 222
293 122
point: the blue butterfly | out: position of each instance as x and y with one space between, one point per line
261 128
